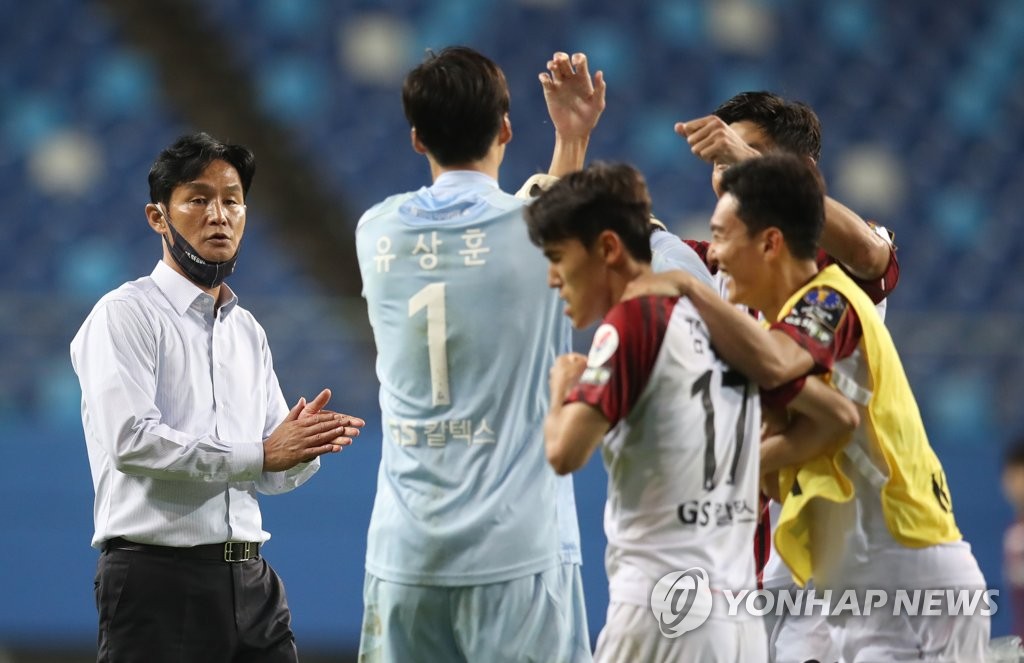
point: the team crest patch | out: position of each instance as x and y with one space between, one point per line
606 342
819 314
825 298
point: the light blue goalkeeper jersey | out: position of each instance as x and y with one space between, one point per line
668 252
466 330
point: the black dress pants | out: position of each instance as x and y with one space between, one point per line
156 608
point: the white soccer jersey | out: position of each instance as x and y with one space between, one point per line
682 452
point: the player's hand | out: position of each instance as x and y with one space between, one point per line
575 101
565 374
301 439
714 141
675 283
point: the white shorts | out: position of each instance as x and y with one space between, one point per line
537 618
632 634
799 638
880 636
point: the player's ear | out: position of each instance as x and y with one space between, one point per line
772 241
505 131
610 246
417 144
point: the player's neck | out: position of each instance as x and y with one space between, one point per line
489 165
790 276
629 272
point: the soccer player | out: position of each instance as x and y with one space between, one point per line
473 550
754 123
679 428
864 511
743 127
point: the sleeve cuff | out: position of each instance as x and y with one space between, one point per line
247 461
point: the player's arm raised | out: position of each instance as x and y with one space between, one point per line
571 431
853 242
575 102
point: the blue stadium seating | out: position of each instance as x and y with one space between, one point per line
936 84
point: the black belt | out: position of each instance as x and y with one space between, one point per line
232 551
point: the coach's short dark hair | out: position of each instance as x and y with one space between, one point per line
783 191
601 197
791 125
189 156
456 101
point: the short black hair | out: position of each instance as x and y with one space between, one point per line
780 190
791 125
603 196
189 156
456 100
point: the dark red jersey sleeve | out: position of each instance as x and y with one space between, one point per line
824 324
701 247
762 538
877 289
622 356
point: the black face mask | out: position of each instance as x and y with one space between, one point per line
199 270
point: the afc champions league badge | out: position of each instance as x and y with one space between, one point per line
681 601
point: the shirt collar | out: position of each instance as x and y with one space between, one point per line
182 293
461 179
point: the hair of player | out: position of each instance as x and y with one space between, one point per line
189 156
603 196
456 101
783 191
791 125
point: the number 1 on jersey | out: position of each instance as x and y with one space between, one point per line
432 298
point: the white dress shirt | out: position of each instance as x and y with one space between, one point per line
177 398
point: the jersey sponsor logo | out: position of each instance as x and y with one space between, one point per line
681 601
709 513
606 342
818 314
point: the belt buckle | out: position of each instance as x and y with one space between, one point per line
229 551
